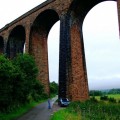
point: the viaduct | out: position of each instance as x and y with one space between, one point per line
31 30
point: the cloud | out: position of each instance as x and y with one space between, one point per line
102 85
102 46
12 9
104 82
107 77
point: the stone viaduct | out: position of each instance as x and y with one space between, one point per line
31 30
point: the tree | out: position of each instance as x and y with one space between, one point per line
95 93
8 74
53 87
18 83
31 88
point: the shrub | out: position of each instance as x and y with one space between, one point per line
113 100
27 65
7 75
31 88
93 99
18 83
53 88
38 90
104 97
95 93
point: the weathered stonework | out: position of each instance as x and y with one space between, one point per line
1 45
36 25
118 6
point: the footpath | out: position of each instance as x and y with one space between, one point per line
41 112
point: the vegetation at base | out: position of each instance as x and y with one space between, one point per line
18 84
64 114
89 110
20 111
53 89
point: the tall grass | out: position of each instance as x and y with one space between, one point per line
115 96
64 114
89 110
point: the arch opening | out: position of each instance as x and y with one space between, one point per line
1 45
16 41
102 46
53 57
78 80
38 43
79 9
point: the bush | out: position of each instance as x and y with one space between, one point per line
38 91
18 83
95 93
27 65
104 97
113 100
7 76
31 87
93 99
53 88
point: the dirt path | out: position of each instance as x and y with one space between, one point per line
41 112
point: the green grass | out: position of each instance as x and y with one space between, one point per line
64 114
89 110
115 96
19 112
52 95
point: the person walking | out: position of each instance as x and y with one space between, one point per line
49 104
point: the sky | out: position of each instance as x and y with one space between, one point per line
101 41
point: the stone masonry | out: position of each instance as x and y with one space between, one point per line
31 30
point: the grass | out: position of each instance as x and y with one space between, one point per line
115 96
19 112
64 114
90 110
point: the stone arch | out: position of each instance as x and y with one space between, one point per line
16 41
38 43
77 12
1 45
79 9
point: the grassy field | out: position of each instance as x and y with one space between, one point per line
115 96
90 110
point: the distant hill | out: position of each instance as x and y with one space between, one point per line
101 92
114 91
111 91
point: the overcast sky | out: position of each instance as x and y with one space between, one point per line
101 39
